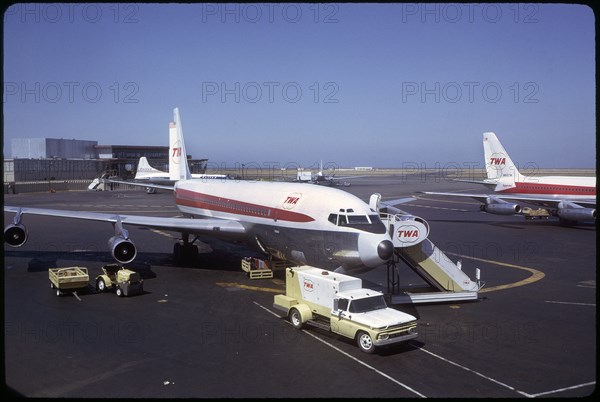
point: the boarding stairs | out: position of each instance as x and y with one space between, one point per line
447 281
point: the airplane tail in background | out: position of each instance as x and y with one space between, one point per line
144 169
178 166
499 167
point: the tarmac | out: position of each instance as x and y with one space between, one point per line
209 331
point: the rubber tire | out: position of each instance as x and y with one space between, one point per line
100 285
296 318
177 252
58 292
364 342
119 292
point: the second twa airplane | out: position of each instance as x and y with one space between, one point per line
304 224
571 198
148 174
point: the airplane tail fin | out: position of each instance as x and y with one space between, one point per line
144 169
499 167
178 166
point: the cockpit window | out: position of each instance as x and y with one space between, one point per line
358 219
368 223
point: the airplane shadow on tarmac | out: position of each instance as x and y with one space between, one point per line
228 259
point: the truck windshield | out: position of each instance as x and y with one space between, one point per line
367 304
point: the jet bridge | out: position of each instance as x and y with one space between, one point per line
411 246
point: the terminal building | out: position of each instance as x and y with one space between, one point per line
43 159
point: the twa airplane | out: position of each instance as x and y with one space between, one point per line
147 173
571 198
314 225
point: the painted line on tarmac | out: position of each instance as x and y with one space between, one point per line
525 394
534 277
381 373
162 233
572 303
473 371
248 287
555 391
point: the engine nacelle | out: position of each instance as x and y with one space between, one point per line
15 235
577 214
502 208
123 250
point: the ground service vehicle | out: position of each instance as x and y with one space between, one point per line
339 303
68 279
124 281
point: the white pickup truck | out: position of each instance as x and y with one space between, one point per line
340 304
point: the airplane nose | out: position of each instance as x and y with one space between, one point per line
374 250
385 250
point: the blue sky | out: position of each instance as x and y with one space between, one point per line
383 85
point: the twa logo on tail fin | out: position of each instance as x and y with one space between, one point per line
178 166
497 161
498 165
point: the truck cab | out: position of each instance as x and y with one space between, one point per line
364 315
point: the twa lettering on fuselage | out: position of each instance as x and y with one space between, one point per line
291 200
497 161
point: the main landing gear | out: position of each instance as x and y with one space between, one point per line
185 252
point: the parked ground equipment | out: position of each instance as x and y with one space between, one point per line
68 279
123 281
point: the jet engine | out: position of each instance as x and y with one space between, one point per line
120 246
122 249
501 208
573 212
15 235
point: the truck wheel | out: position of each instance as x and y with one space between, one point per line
119 292
58 292
100 285
295 318
364 342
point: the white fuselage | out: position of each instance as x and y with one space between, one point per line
302 223
561 187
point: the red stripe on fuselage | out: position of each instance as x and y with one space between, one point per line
210 202
540 188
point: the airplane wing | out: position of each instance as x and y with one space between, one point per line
389 205
141 184
187 225
548 202
489 184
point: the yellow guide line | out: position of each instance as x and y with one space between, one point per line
247 287
535 274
